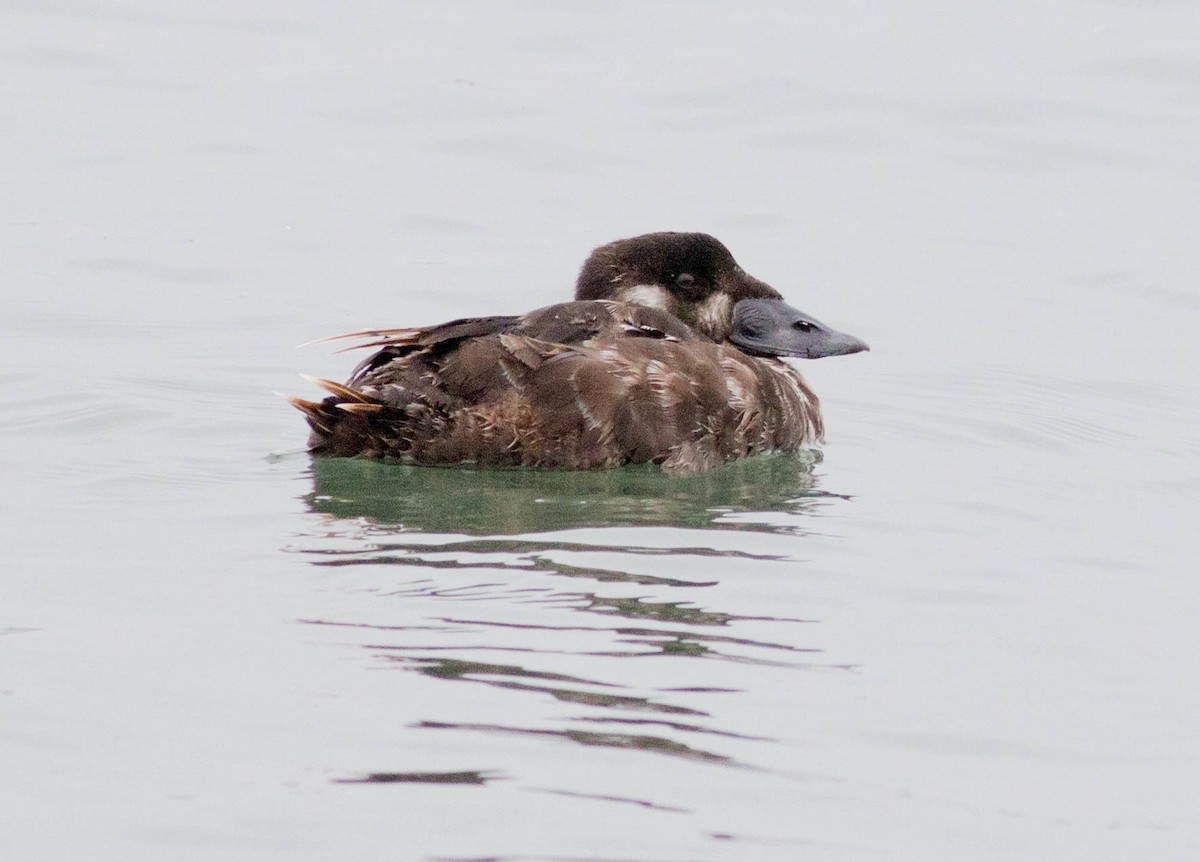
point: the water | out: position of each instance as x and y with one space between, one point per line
967 632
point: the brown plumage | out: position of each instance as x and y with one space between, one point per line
599 382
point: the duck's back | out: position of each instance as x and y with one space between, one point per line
573 386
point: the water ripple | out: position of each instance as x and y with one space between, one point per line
627 800
468 777
990 406
660 601
626 741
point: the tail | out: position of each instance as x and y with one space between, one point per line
345 424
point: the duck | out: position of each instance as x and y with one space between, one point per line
670 354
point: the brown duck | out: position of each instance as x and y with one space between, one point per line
670 355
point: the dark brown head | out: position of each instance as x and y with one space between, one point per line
694 277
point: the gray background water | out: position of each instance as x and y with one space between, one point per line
970 633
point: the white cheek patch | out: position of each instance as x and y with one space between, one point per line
646 295
715 314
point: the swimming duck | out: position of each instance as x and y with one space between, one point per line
669 354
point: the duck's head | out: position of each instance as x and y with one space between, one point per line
694 277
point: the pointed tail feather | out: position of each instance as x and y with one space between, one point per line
343 425
360 409
408 335
314 411
339 391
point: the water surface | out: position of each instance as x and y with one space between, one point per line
967 632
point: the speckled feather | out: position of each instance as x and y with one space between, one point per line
573 386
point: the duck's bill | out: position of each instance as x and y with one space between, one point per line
771 327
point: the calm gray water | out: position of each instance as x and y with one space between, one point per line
969 632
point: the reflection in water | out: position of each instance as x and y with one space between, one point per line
469 777
641 742
494 502
640 803
416 542
657 642
480 672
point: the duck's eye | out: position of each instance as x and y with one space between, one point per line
803 326
687 286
